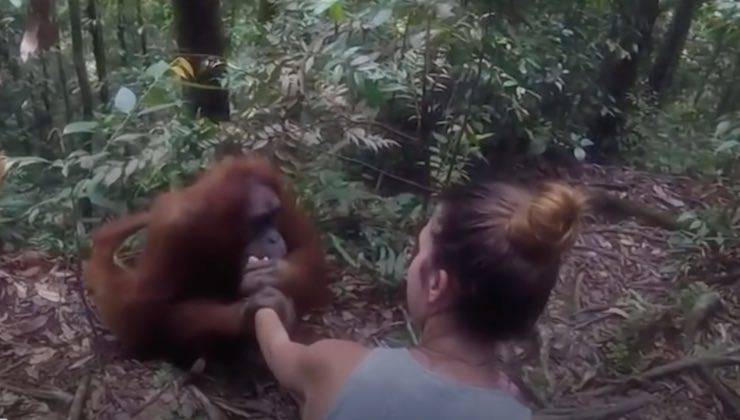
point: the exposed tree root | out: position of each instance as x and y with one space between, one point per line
42 394
78 404
665 370
598 412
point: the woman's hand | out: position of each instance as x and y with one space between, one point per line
269 297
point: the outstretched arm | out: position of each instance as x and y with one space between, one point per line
288 361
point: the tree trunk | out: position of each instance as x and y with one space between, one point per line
204 50
121 31
98 43
664 67
62 73
78 56
41 117
45 84
142 31
618 73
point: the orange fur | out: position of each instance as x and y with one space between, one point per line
182 298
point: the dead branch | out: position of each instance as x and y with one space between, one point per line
610 205
78 404
598 412
149 401
211 410
11 366
665 370
255 406
729 399
43 394
727 279
594 320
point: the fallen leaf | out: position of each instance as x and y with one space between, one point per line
30 272
45 292
41 355
22 290
26 327
660 192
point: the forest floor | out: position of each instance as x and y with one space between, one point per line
629 332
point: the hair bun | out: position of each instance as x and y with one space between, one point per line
548 222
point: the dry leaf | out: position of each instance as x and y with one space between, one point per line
26 327
30 272
41 355
81 362
45 292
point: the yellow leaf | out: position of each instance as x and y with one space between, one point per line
182 67
180 72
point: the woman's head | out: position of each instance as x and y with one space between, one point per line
491 254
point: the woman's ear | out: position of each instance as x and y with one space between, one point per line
439 285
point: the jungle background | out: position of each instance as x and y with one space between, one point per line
372 107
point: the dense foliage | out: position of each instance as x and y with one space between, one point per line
374 105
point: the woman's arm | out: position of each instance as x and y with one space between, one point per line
290 362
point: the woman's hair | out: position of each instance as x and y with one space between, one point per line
502 244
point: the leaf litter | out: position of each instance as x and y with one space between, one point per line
625 335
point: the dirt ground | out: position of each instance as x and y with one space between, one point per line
640 326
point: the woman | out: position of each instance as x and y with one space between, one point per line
483 272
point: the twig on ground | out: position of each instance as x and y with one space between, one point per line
599 412
78 404
211 410
665 370
727 279
11 366
149 401
43 394
599 318
730 400
655 236
244 407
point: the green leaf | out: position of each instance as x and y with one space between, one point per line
687 215
336 13
360 60
113 176
156 70
380 18
158 108
510 83
321 6
722 128
579 153
128 138
725 146
125 100
337 244
80 127
585 142
22 161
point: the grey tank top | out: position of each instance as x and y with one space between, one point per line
391 385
